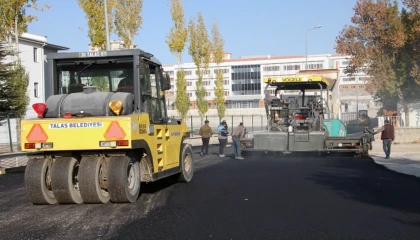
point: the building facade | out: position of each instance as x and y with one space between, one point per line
244 86
33 50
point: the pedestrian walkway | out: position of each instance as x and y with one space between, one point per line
405 158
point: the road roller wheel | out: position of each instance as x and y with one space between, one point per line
65 180
92 180
124 179
38 181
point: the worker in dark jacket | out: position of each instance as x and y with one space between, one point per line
387 136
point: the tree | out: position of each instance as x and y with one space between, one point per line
14 20
101 83
128 19
95 14
176 40
14 81
218 57
379 42
199 49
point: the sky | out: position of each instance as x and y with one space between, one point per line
249 27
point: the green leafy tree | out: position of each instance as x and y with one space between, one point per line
128 19
218 57
14 81
382 41
14 20
176 41
200 48
101 83
95 14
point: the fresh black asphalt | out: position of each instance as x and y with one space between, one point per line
261 197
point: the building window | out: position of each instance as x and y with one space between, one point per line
364 78
35 54
187 73
316 66
189 83
226 93
246 80
206 83
36 90
208 94
226 82
224 71
348 79
291 67
271 68
345 63
190 95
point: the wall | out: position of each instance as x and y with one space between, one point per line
414 115
404 135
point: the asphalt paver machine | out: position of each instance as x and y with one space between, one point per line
300 124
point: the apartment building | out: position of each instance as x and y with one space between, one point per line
33 50
244 86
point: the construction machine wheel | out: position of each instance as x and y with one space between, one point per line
64 178
92 180
186 164
38 181
124 179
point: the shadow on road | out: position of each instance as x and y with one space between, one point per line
364 181
159 185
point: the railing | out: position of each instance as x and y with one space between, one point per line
396 121
8 132
253 123
349 116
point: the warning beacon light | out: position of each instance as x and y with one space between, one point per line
116 106
39 108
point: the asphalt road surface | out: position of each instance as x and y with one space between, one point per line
256 198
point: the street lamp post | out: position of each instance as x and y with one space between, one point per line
306 45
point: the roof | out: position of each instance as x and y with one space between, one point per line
43 43
269 57
300 85
300 82
103 54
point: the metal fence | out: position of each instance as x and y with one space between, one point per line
396 121
349 116
253 123
9 127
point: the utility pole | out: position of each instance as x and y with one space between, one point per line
106 26
306 45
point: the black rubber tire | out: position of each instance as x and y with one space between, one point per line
124 179
186 164
89 173
64 181
37 173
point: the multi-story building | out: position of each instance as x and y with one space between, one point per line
113 45
244 86
33 50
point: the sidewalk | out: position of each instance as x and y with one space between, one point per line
405 158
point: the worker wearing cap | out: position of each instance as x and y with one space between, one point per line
205 133
387 136
237 134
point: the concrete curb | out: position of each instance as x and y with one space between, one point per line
401 165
